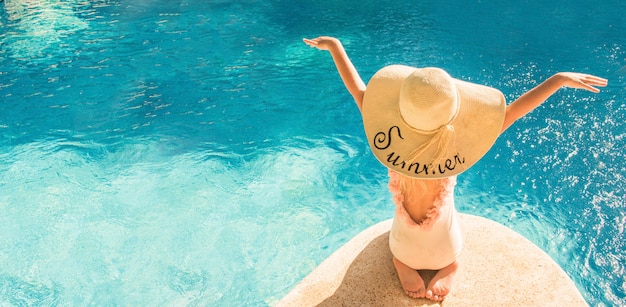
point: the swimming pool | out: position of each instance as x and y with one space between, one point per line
194 153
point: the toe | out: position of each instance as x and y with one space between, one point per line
421 293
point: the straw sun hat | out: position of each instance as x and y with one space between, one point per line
422 123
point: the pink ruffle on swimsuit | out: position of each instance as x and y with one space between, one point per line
433 243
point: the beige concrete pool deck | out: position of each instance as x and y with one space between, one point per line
498 267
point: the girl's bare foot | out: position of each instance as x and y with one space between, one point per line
411 281
441 283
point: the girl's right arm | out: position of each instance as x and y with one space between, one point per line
346 69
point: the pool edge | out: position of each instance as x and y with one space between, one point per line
499 267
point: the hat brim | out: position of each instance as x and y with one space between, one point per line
476 126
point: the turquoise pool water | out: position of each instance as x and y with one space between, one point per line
198 153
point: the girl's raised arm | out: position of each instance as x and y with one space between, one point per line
346 69
533 98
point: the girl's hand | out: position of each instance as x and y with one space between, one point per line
322 42
581 81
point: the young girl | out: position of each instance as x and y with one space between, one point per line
426 128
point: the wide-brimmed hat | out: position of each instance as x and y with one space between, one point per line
423 123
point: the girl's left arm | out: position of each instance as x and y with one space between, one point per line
535 97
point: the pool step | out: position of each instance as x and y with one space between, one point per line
498 267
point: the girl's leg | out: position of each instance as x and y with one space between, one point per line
411 281
441 283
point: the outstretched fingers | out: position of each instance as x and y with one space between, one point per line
596 80
590 82
322 42
310 42
584 81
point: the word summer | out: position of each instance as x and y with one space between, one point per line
426 168
382 141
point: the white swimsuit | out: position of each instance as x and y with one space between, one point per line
433 243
